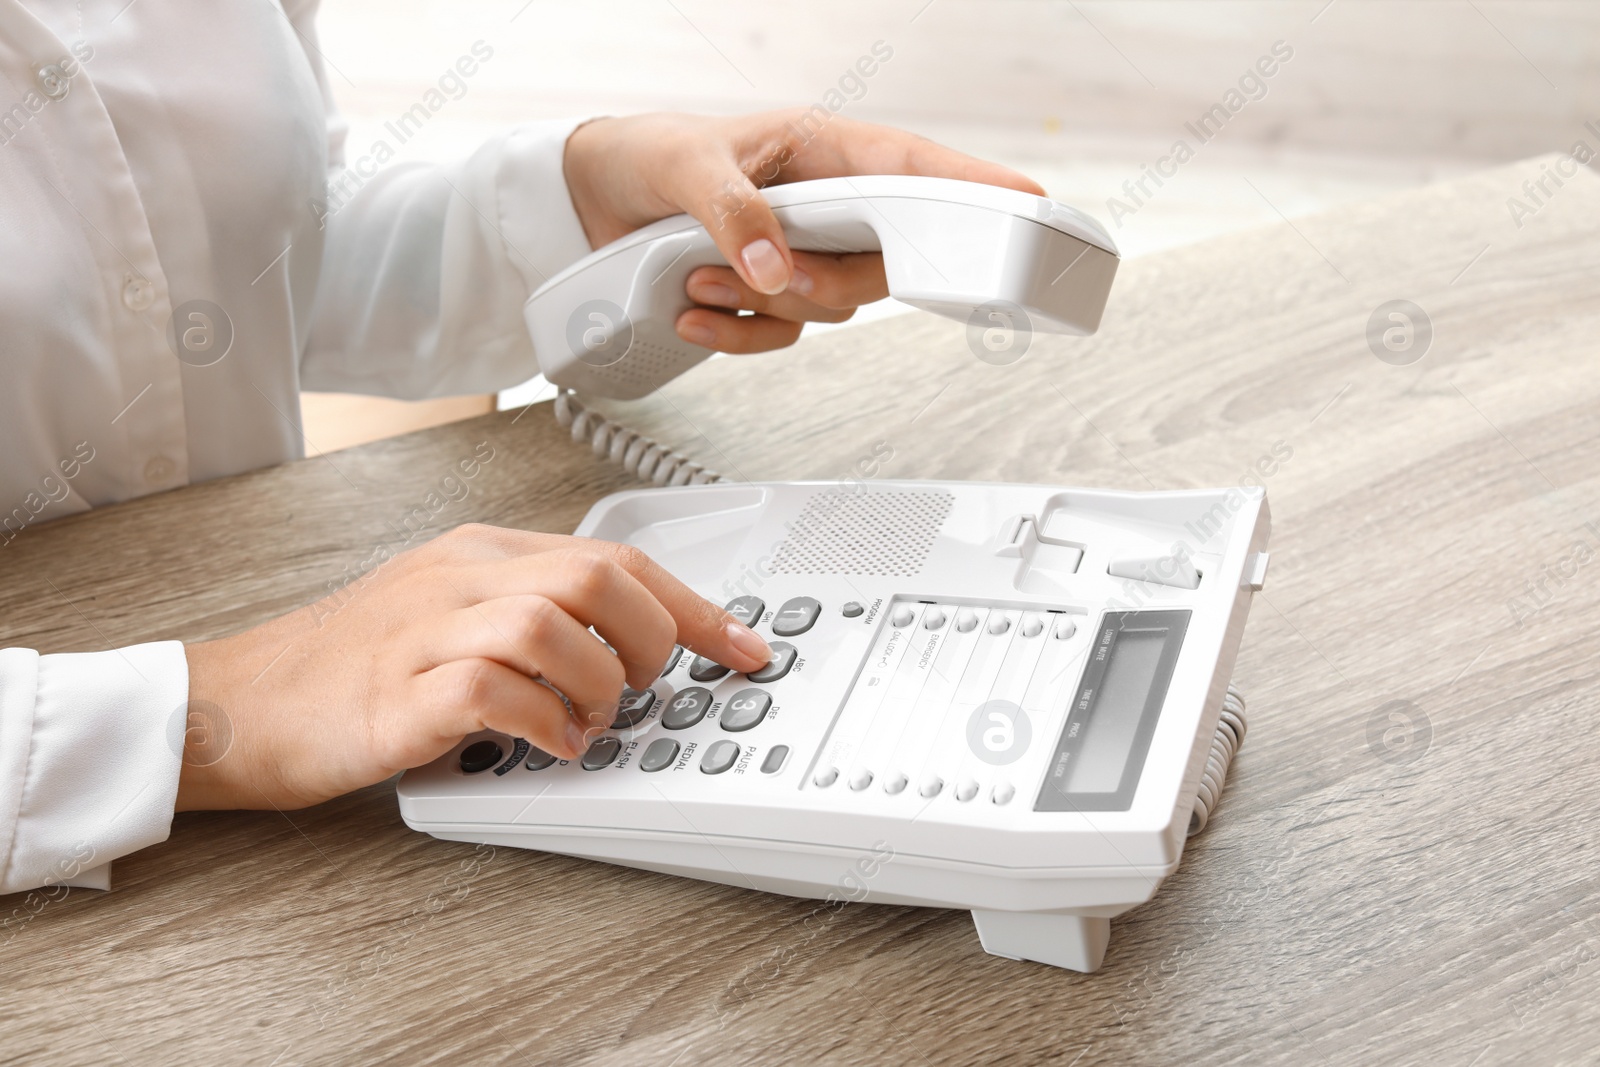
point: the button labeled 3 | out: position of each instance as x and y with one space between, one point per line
746 709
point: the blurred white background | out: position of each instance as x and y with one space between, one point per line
1081 94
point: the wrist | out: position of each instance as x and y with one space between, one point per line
579 168
212 775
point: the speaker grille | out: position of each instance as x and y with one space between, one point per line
885 532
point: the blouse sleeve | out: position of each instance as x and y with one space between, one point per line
426 266
90 748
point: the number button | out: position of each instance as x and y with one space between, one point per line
706 670
782 661
633 708
747 609
745 709
687 708
796 616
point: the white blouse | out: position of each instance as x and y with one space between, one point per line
181 252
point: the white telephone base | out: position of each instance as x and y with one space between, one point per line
1011 699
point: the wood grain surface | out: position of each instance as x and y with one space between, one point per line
1403 869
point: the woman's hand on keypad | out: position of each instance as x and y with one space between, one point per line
483 628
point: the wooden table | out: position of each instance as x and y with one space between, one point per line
1404 866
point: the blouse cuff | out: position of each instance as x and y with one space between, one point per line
91 745
541 227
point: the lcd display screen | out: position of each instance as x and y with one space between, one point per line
1100 753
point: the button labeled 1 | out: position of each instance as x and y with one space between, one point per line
797 615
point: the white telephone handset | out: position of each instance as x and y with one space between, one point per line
994 258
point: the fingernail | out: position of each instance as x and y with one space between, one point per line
697 334
764 266
800 282
748 641
716 294
575 742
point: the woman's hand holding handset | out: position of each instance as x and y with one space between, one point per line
624 173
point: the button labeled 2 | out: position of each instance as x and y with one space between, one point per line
782 661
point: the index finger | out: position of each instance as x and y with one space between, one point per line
843 147
703 628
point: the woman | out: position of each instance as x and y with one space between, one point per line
176 271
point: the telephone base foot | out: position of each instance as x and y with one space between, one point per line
1075 942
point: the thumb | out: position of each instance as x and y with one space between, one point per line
745 230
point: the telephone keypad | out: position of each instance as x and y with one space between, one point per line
745 709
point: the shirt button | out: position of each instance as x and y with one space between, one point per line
159 469
138 294
53 81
